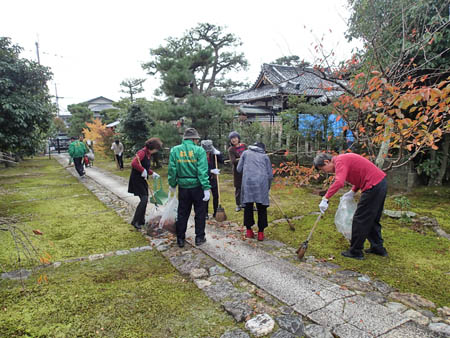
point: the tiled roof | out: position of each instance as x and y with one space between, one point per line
286 80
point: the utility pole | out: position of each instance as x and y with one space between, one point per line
37 52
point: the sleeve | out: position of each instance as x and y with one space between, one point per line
112 146
269 170
71 146
220 159
172 171
120 148
339 180
240 165
136 164
202 169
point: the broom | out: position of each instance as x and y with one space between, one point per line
220 212
302 250
291 226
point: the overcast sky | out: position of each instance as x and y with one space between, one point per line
91 46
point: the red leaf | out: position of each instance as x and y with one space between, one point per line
37 232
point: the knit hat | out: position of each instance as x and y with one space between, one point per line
207 145
260 145
234 134
191 133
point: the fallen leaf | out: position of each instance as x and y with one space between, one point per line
37 232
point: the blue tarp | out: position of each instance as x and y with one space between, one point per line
309 125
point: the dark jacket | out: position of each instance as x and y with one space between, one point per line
212 165
234 154
137 185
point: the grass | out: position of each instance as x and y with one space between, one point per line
418 262
137 295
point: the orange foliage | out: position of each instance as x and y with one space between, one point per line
100 135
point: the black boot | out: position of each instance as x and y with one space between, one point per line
381 251
180 242
199 241
351 254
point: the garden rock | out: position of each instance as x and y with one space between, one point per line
260 325
397 307
292 324
376 297
417 317
412 300
283 334
198 273
219 291
382 287
317 331
237 333
441 328
16 275
444 311
201 283
399 214
238 310
216 270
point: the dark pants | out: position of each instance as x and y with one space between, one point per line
237 196
187 198
78 161
262 216
366 221
215 198
120 161
139 215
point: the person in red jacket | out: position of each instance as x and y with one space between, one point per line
368 178
140 171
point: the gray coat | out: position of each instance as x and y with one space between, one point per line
257 176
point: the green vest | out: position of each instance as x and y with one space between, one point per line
188 166
77 149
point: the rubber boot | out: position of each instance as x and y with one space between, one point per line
260 236
249 234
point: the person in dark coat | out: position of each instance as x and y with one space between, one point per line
213 172
234 152
140 170
257 177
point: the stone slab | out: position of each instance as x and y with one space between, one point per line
411 330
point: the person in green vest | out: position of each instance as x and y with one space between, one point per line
188 169
77 150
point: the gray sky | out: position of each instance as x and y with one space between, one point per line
91 46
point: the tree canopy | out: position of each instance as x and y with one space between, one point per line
132 87
25 105
80 115
197 62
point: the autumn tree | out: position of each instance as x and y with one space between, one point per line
101 136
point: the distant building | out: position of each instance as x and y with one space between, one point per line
99 104
269 94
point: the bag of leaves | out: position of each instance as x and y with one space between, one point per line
169 216
344 216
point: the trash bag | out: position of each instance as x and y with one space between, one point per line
344 216
169 216
90 155
152 223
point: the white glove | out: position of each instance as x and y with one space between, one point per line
120 154
173 190
215 171
323 206
207 194
155 175
348 195
144 174
216 152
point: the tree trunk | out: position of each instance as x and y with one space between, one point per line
382 153
443 169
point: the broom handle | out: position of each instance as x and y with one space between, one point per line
217 177
314 226
149 188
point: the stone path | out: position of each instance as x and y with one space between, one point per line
312 298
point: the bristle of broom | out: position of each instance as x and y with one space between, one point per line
301 252
220 214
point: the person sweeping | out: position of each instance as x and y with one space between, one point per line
257 176
213 156
368 178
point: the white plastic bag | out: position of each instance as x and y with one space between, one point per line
344 216
169 216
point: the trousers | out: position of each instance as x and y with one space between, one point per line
188 197
262 216
366 221
139 214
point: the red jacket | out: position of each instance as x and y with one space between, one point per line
137 165
355 169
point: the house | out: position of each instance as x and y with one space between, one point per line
275 83
99 104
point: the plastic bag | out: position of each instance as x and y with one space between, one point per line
159 196
169 216
344 216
